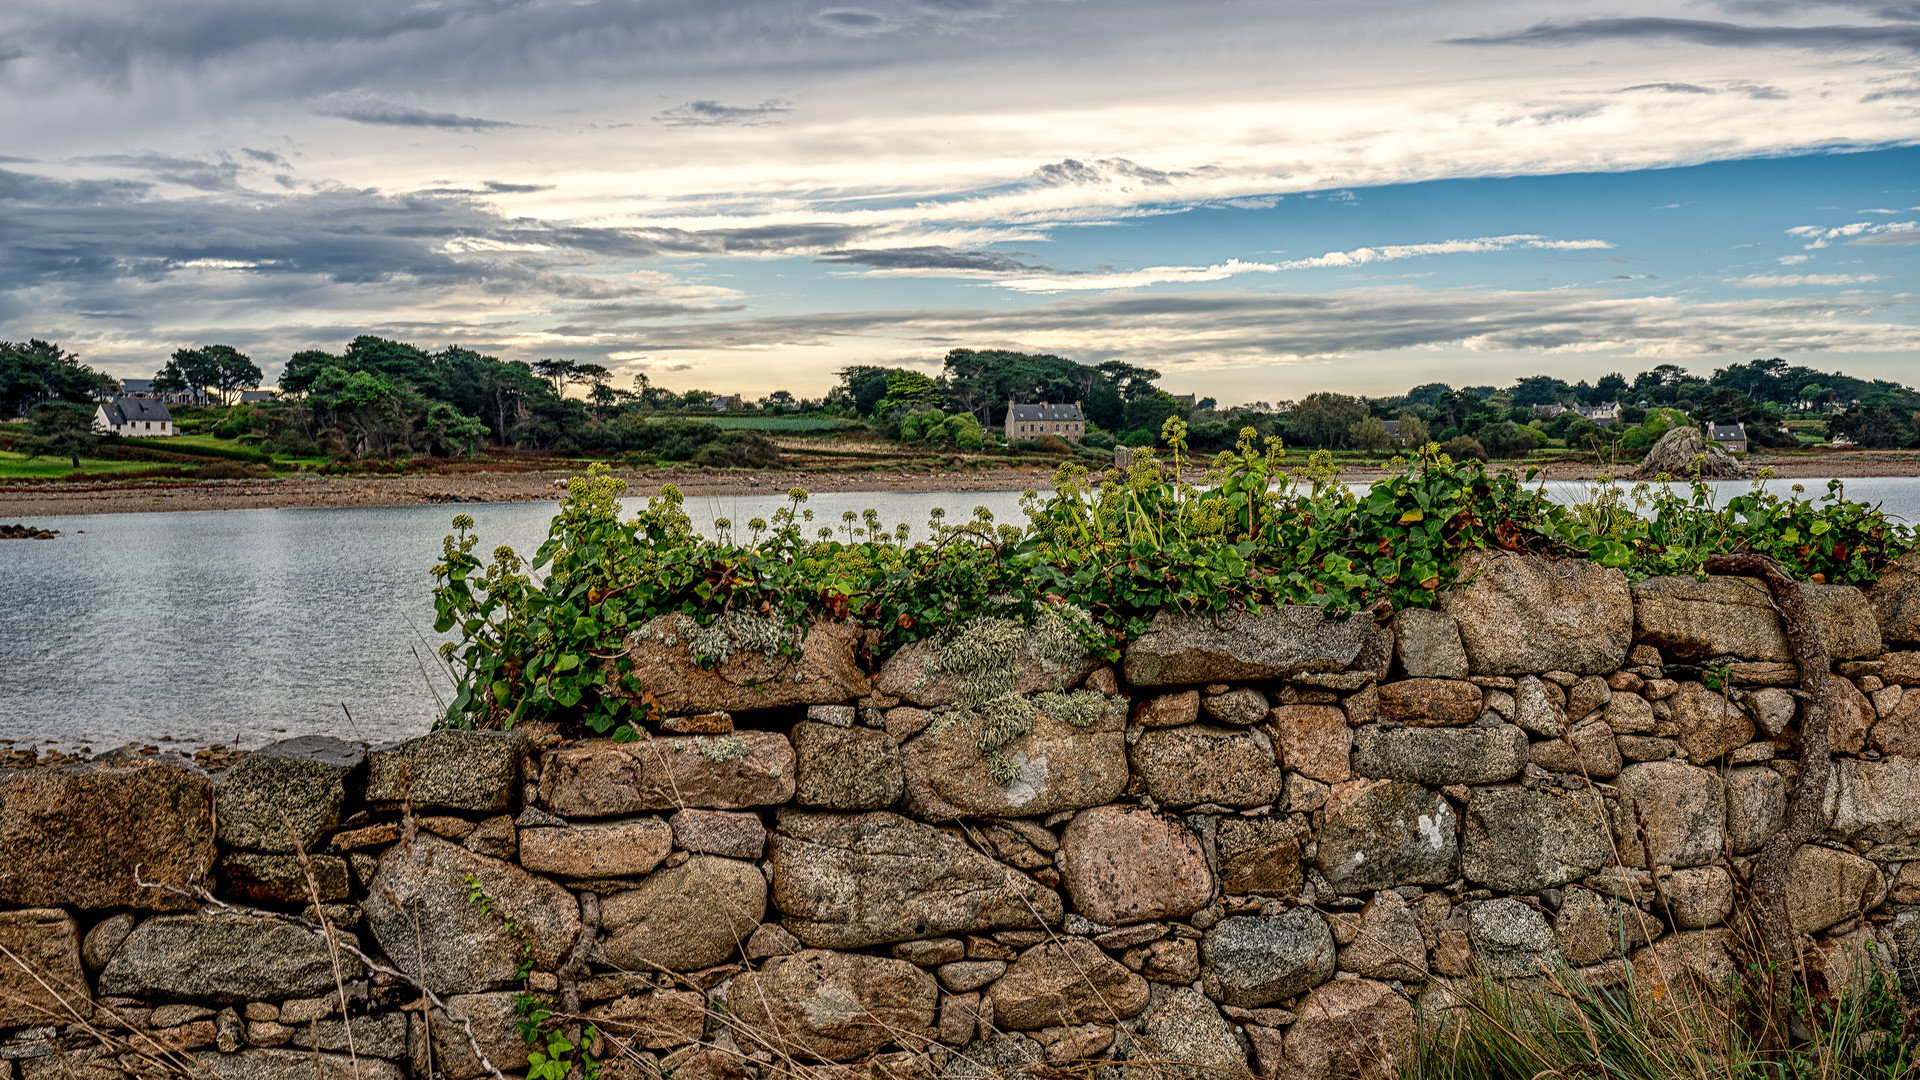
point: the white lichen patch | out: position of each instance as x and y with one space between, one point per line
741 632
723 749
1081 708
1057 641
985 655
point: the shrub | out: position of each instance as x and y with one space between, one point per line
738 450
1098 439
1464 448
1509 440
1053 444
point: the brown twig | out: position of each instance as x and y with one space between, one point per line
1806 805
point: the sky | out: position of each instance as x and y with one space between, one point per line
1259 198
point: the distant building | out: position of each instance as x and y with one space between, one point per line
1731 437
1603 414
258 395
724 402
1033 421
141 388
1184 399
134 417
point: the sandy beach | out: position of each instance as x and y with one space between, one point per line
20 501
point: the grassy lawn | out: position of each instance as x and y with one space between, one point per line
19 466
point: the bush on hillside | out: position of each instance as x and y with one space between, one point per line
1464 448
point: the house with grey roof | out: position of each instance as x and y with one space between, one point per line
134 417
1731 437
1033 421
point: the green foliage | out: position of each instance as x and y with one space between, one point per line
34 372
64 429
220 369
1121 546
1324 419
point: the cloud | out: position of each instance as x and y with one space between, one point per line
854 22
499 188
1701 32
389 114
1388 253
709 113
1781 281
1819 236
207 175
1074 173
929 258
1668 87
1908 235
1792 260
1134 279
1253 330
265 157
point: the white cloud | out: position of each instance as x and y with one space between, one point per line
1821 236
1793 260
1391 252
1782 281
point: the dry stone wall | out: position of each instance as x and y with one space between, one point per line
1257 845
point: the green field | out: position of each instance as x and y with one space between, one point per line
20 466
763 423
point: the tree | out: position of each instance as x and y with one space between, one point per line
779 401
1324 419
1875 426
908 391
1369 434
1413 431
220 369
66 427
1104 405
297 376
1509 440
558 373
1542 390
35 371
866 385
1428 393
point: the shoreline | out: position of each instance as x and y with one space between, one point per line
337 492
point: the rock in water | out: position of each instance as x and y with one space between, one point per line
1674 455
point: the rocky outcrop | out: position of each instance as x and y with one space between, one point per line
1519 614
1379 834
223 958
420 907
749 668
851 881
1057 766
603 778
1278 643
113 833
294 783
1123 865
47 972
1734 616
686 917
1199 763
832 1005
448 770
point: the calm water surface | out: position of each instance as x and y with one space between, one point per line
246 626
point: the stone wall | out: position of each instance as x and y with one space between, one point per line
1257 844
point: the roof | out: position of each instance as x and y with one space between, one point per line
257 395
136 386
1723 432
132 409
1043 413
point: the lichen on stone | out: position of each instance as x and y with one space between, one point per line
1081 708
724 749
1056 640
736 633
985 654
1003 720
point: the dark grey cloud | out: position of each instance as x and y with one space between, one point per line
1703 32
207 175
1252 326
1668 87
930 258
499 188
854 22
265 157
708 113
390 114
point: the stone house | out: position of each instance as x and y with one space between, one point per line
1033 421
1731 437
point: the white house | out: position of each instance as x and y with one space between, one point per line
134 417
1731 437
